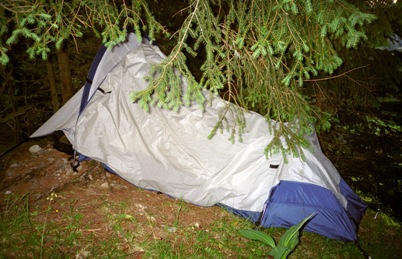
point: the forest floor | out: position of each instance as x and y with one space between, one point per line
49 171
103 201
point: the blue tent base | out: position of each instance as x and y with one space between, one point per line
291 202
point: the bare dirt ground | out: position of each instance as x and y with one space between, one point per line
101 199
48 171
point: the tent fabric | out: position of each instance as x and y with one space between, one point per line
169 152
64 119
299 200
85 96
105 60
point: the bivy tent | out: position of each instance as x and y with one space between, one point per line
169 151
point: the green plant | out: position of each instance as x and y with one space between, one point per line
286 244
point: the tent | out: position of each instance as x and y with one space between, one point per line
169 151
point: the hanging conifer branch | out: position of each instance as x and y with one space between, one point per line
259 54
47 24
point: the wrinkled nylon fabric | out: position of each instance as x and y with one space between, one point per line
105 60
291 201
169 152
64 119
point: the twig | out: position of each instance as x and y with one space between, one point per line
333 77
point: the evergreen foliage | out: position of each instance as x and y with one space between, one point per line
48 23
370 74
258 54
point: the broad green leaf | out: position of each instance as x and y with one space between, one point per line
291 237
258 236
280 252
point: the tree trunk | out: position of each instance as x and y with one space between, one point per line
65 74
52 85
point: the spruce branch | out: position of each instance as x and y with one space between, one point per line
259 54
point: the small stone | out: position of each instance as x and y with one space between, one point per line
8 192
104 185
172 229
82 254
197 225
35 149
50 160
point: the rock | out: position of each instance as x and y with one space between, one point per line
83 254
14 165
104 185
35 149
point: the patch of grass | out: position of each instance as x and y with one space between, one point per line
60 228
19 237
37 233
